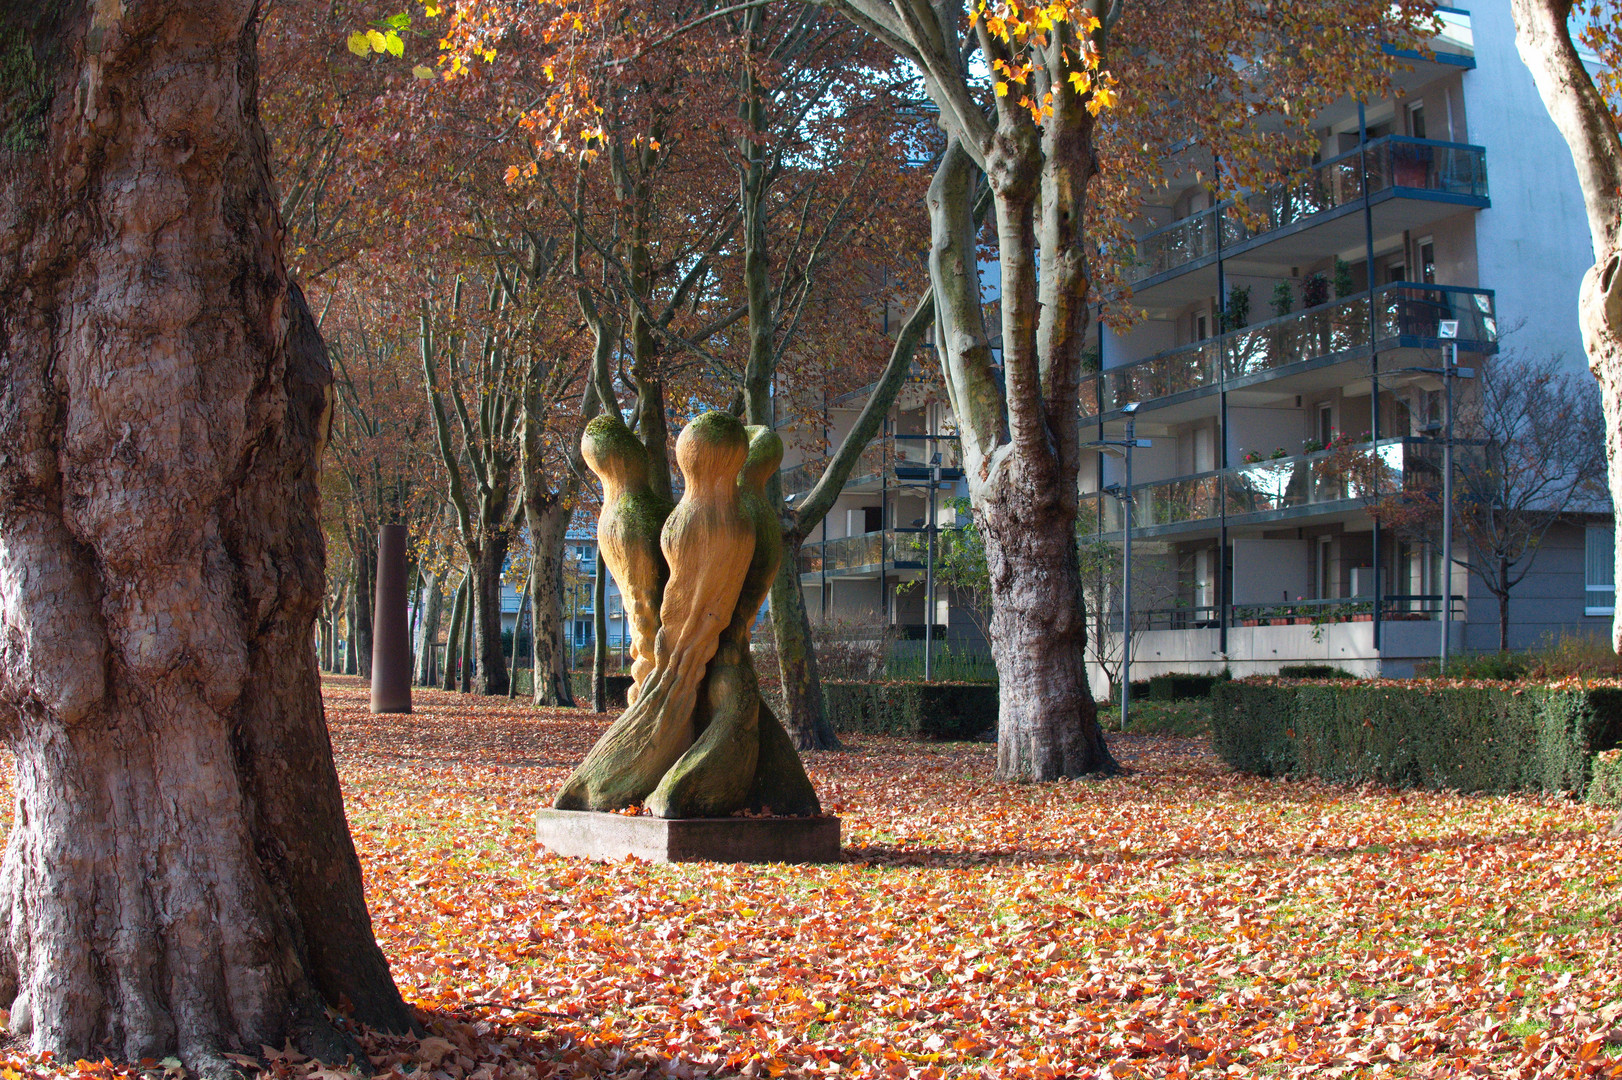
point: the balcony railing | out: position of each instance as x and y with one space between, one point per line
1401 311
905 450
860 552
1393 163
1351 473
1298 612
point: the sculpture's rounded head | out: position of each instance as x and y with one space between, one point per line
614 454
765 455
711 450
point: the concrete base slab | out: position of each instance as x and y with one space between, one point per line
592 835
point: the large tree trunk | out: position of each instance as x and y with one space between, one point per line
365 563
180 877
803 717
1543 38
548 522
490 663
1048 723
1020 442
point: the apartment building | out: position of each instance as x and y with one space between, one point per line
1453 201
1281 338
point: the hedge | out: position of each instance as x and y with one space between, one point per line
1176 687
1605 788
931 710
1313 671
580 686
1465 738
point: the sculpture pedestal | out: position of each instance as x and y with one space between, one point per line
592 835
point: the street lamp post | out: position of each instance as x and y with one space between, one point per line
1448 330
1123 448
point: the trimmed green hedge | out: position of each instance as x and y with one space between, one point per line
1465 738
1313 671
912 709
1176 687
1605 787
580 686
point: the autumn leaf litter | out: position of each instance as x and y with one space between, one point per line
1178 921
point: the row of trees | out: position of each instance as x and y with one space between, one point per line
563 209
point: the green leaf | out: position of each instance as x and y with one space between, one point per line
393 42
423 71
360 44
402 21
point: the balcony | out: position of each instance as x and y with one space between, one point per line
875 466
1404 316
1396 167
865 554
1351 476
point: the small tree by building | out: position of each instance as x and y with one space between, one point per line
1534 452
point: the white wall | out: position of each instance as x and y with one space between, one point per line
1271 571
1532 244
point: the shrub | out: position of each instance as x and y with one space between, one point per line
580 686
931 710
1492 667
1177 686
1313 671
1466 738
1605 785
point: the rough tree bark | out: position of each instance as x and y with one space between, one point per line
180 877
365 563
1543 36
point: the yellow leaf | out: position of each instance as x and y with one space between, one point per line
1002 89
359 44
376 40
423 71
432 10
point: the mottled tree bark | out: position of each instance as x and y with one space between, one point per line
453 638
803 714
428 627
180 877
1543 37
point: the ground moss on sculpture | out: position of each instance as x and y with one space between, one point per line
696 739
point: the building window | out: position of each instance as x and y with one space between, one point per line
1600 571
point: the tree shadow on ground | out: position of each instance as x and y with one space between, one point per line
949 858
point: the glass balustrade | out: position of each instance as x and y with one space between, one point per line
1390 163
849 553
1401 310
904 451
1349 472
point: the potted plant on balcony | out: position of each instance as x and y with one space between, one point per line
1314 295
1237 315
1252 457
1344 285
1312 446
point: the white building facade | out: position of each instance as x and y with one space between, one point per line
1453 201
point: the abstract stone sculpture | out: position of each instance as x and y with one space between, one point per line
697 740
